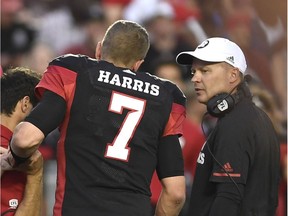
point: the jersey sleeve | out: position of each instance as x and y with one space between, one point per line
58 79
176 118
177 115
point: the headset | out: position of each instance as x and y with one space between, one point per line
223 103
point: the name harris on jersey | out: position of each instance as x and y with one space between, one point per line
128 82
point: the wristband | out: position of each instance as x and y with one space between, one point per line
18 160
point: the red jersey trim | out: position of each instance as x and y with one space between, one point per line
225 174
174 125
58 80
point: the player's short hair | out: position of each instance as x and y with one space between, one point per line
125 42
16 83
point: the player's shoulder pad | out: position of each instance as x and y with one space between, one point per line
177 94
72 62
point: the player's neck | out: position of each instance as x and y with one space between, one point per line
117 63
9 121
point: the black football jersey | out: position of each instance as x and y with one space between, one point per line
114 120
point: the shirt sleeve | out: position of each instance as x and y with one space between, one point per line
174 125
231 160
57 79
228 199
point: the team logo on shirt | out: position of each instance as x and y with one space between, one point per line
227 170
228 167
201 156
13 203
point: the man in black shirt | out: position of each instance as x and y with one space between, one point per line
117 126
237 170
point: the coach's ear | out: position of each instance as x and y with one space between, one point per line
137 64
98 51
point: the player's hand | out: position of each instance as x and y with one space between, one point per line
33 165
6 160
3 150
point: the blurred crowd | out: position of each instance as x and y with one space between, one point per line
33 32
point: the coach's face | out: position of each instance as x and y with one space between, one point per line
210 79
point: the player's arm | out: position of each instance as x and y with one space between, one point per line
171 173
170 165
25 141
44 118
172 197
31 205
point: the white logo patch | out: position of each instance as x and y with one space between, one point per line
201 157
223 105
13 203
203 44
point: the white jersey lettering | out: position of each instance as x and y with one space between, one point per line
129 83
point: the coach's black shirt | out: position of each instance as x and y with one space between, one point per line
246 145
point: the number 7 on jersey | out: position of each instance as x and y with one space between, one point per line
119 149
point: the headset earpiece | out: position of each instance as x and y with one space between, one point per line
220 104
223 103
